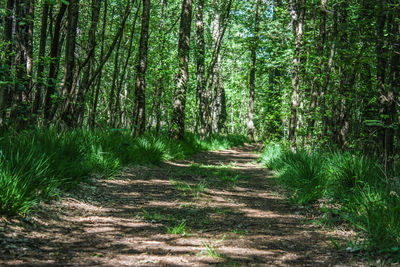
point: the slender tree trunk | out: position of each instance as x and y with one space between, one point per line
24 12
123 76
55 52
95 93
381 60
113 84
254 47
159 91
178 117
200 59
68 87
317 82
297 10
79 106
327 78
42 50
140 89
96 76
7 93
394 84
219 26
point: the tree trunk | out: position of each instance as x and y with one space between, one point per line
42 50
68 87
24 12
200 59
95 93
123 76
113 84
79 106
7 92
317 82
394 85
159 91
327 78
254 47
140 89
55 52
215 106
178 116
103 59
297 10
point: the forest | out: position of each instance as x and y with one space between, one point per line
93 87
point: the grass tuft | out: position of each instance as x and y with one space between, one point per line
355 184
39 164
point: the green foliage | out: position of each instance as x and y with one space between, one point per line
303 175
211 251
355 184
39 164
348 173
179 229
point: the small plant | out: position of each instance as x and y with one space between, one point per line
152 217
179 229
211 251
240 232
196 189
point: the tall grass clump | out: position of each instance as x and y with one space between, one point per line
272 156
38 164
349 173
303 174
356 185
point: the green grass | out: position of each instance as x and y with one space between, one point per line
38 164
179 229
211 251
195 189
354 185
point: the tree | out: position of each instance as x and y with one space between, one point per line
178 116
254 46
297 11
140 90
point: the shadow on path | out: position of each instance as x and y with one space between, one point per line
222 207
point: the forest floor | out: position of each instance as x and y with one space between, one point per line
217 208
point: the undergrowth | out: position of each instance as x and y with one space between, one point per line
355 185
39 164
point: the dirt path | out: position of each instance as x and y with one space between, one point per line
219 208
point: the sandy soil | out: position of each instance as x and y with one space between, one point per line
229 211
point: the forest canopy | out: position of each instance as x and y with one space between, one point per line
306 71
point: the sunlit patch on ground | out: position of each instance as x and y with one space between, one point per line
217 208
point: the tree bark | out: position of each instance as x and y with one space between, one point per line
297 11
254 47
124 74
24 12
113 85
103 59
393 88
200 59
68 87
79 106
7 93
317 82
327 78
178 116
140 89
42 50
55 52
